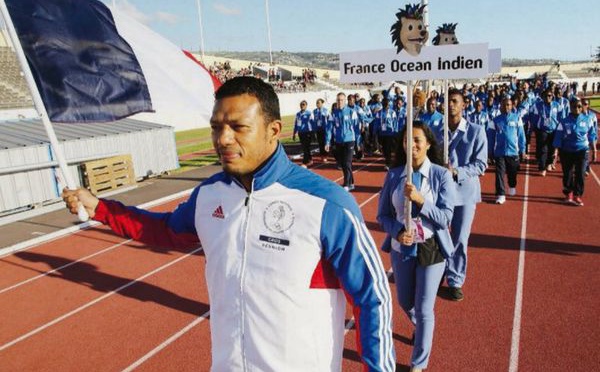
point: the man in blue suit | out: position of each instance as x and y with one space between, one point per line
467 153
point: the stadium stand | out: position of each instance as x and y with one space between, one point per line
14 92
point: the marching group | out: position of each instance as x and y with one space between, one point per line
564 126
487 126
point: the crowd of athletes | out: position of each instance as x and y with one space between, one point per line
560 121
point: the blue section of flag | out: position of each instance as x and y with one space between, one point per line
84 70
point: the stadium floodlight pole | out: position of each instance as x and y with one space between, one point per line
446 124
201 30
408 150
269 32
39 106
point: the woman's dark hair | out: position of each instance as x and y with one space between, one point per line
434 153
263 92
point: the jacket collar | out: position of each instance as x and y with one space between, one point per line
273 169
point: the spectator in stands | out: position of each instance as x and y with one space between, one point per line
572 139
320 115
303 126
467 152
418 251
506 138
544 120
344 124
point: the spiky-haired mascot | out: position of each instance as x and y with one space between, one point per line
445 34
409 31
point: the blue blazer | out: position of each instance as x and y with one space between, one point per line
468 155
439 213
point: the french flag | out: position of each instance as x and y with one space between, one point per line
91 64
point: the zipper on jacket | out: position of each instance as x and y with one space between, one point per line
242 275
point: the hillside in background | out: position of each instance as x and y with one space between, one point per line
331 61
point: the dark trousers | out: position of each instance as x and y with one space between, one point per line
508 165
387 145
544 151
573 167
321 141
305 141
344 154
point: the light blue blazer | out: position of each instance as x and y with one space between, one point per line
468 155
439 212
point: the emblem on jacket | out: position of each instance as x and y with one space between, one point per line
278 216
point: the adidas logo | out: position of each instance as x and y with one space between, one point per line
218 213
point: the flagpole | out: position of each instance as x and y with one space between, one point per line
201 30
269 31
39 106
446 124
409 145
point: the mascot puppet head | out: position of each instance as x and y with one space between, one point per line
445 34
409 31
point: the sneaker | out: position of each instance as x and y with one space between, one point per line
346 188
456 294
303 166
578 201
569 198
543 173
501 199
512 191
351 187
387 168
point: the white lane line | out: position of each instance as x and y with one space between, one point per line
89 304
168 341
63 266
516 329
595 176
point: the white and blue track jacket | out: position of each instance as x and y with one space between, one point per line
279 260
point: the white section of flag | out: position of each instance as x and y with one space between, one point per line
182 92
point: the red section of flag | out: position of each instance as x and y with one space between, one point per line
216 82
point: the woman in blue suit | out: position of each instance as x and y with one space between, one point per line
418 253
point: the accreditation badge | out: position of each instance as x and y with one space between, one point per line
418 232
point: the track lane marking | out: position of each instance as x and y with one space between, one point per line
64 266
93 302
516 329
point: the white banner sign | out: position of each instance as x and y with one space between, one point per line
495 61
458 61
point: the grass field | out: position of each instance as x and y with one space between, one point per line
595 103
196 140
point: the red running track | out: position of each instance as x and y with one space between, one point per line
94 301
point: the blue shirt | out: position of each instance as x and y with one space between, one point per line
320 118
544 117
574 133
480 118
434 119
303 122
506 136
343 124
386 123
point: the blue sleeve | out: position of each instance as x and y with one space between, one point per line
386 214
440 213
593 133
521 134
491 138
478 161
349 247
